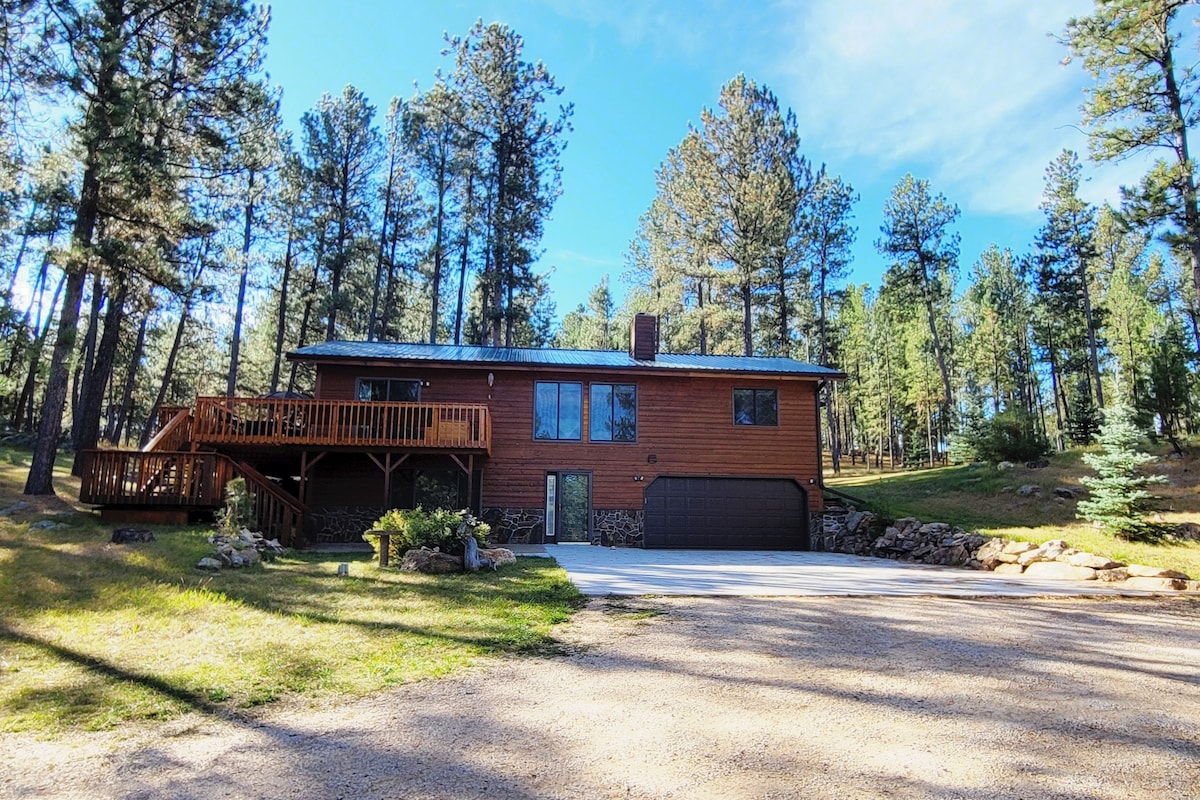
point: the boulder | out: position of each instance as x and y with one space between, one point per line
1060 571
1017 548
131 536
209 564
1156 584
16 507
1039 463
1142 571
1090 560
499 555
989 553
1009 569
1005 465
1066 493
430 562
1114 575
1029 490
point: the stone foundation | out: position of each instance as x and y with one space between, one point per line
340 524
516 525
617 527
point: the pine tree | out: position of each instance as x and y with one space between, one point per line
1119 498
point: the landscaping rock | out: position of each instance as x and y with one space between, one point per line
499 555
209 564
1005 465
1156 584
1142 571
1060 571
1009 569
16 507
1040 463
989 555
1114 575
131 536
1017 548
1090 560
1065 493
430 562
1029 490
48 525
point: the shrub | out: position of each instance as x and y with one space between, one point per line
439 529
238 512
1011 435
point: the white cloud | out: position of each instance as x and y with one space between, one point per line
971 94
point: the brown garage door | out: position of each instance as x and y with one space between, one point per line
726 513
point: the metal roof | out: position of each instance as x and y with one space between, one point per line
605 359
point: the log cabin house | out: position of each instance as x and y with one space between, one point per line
636 449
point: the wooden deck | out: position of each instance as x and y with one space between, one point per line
257 422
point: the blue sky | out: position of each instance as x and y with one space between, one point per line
969 95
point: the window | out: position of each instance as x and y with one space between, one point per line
755 407
403 390
612 415
557 410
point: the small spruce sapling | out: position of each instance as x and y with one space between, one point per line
1119 499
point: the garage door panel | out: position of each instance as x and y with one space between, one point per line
726 513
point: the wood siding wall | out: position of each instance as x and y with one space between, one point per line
684 421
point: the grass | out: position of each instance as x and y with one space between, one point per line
94 635
980 497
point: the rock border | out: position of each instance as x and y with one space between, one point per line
847 530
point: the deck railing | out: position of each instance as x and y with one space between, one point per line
189 480
174 433
336 423
119 477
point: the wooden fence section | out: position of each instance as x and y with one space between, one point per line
122 477
339 423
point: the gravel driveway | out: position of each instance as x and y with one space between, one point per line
719 698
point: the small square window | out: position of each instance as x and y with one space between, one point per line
755 407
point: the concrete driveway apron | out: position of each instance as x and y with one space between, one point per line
631 571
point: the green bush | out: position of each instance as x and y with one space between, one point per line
1010 436
439 529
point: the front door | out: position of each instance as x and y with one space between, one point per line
568 507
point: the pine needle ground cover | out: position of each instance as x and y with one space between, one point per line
94 634
980 497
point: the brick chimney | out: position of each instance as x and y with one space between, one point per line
643 337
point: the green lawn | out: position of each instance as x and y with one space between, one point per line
94 634
981 497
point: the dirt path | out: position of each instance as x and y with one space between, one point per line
720 698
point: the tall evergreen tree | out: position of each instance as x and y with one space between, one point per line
503 99
1144 99
916 234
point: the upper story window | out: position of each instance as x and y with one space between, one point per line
755 407
403 390
557 410
612 412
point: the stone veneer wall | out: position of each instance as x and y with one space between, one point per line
618 527
516 525
328 524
